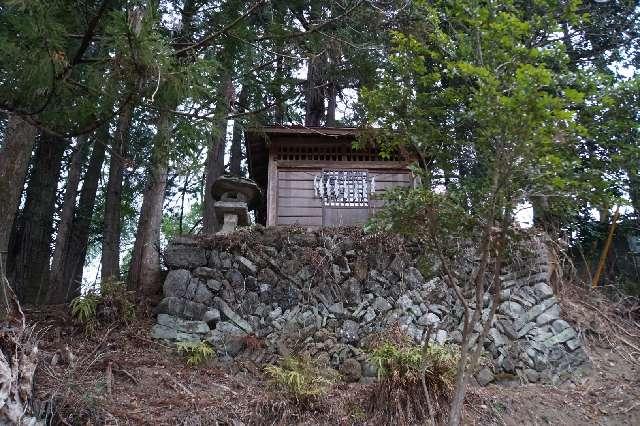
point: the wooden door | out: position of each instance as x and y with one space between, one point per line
345 197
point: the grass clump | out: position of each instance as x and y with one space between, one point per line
110 304
196 353
300 378
416 383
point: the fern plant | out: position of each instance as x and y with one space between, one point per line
196 353
115 293
300 378
412 377
84 308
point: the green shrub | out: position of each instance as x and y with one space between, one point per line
84 308
117 298
413 380
196 353
301 378
111 304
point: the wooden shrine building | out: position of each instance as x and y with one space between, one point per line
314 176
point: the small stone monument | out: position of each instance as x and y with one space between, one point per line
234 196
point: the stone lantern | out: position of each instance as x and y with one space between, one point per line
234 197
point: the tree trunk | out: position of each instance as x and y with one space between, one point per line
634 190
19 138
110 260
72 264
332 95
29 254
314 91
144 272
63 233
235 162
215 159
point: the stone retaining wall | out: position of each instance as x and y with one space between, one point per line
269 292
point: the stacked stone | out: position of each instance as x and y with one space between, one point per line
328 296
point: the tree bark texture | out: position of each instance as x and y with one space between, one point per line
235 161
110 260
72 264
314 91
15 153
63 233
144 272
29 251
332 103
214 167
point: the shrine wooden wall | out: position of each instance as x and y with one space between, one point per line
292 198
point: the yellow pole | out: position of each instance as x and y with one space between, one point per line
605 250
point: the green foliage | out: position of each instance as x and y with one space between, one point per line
437 362
196 353
111 304
412 378
115 294
84 308
300 378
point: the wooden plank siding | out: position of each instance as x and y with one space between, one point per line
295 199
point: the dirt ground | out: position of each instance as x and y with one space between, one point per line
121 376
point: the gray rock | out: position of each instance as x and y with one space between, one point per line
428 319
506 327
496 337
171 306
178 256
159 331
246 265
276 313
542 291
441 337
264 288
352 290
214 285
415 310
559 325
176 283
349 331
204 272
456 336
369 369
437 309
227 338
414 332
573 344
369 315
235 278
185 326
193 310
413 278
202 294
229 314
563 336
485 376
511 309
508 365
404 302
532 375
351 370
526 329
551 314
380 304
533 313
211 317
337 309
378 277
